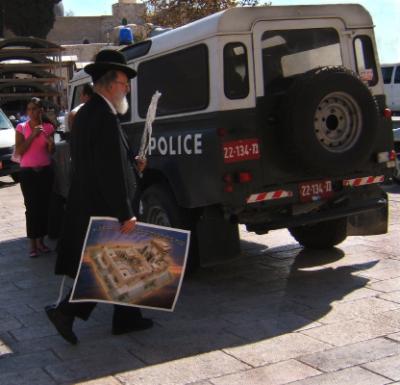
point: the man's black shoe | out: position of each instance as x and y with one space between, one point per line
62 322
139 324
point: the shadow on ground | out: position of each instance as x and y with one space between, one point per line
248 300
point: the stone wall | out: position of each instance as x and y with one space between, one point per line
130 11
76 29
95 29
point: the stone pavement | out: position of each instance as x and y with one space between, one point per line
277 315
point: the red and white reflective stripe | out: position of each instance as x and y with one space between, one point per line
363 181
269 196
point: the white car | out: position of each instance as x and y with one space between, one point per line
7 141
391 80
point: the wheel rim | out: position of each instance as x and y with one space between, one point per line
158 216
337 122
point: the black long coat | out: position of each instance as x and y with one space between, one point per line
103 179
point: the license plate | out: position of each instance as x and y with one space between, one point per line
240 150
316 190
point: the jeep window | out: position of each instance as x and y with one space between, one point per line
387 74
236 77
182 78
397 75
365 60
76 97
292 52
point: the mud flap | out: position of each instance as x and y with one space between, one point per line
218 239
371 222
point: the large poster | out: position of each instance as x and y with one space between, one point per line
143 268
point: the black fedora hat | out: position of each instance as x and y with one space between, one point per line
107 60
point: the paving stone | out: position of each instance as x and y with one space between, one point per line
273 326
388 367
200 383
275 374
342 311
351 355
15 310
353 376
391 318
184 371
393 296
277 349
349 332
26 377
87 368
164 348
100 381
386 285
17 362
395 336
9 323
385 269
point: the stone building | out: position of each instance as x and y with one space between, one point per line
69 30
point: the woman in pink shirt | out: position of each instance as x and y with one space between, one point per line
34 143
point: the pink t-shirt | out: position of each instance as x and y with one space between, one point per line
37 154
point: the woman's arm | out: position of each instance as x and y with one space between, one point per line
50 143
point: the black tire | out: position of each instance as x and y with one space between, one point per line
158 206
322 235
329 120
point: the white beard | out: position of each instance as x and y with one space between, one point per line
122 105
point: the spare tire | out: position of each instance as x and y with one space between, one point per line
329 120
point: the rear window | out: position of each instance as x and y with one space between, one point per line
292 52
365 60
182 78
236 73
387 74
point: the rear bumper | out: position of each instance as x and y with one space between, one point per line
356 203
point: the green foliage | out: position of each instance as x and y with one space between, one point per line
174 13
29 18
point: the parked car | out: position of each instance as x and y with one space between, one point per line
7 142
271 117
391 80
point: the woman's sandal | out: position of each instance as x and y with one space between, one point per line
43 249
33 254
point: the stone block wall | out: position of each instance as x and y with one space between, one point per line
76 29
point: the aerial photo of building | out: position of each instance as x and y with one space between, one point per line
128 273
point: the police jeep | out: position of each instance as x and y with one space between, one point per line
271 117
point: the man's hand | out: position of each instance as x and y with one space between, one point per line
141 164
128 226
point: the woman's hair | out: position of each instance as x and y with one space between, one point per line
36 101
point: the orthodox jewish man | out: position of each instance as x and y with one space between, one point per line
103 184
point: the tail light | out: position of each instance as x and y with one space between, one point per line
245 177
387 113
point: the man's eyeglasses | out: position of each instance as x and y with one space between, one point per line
126 85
